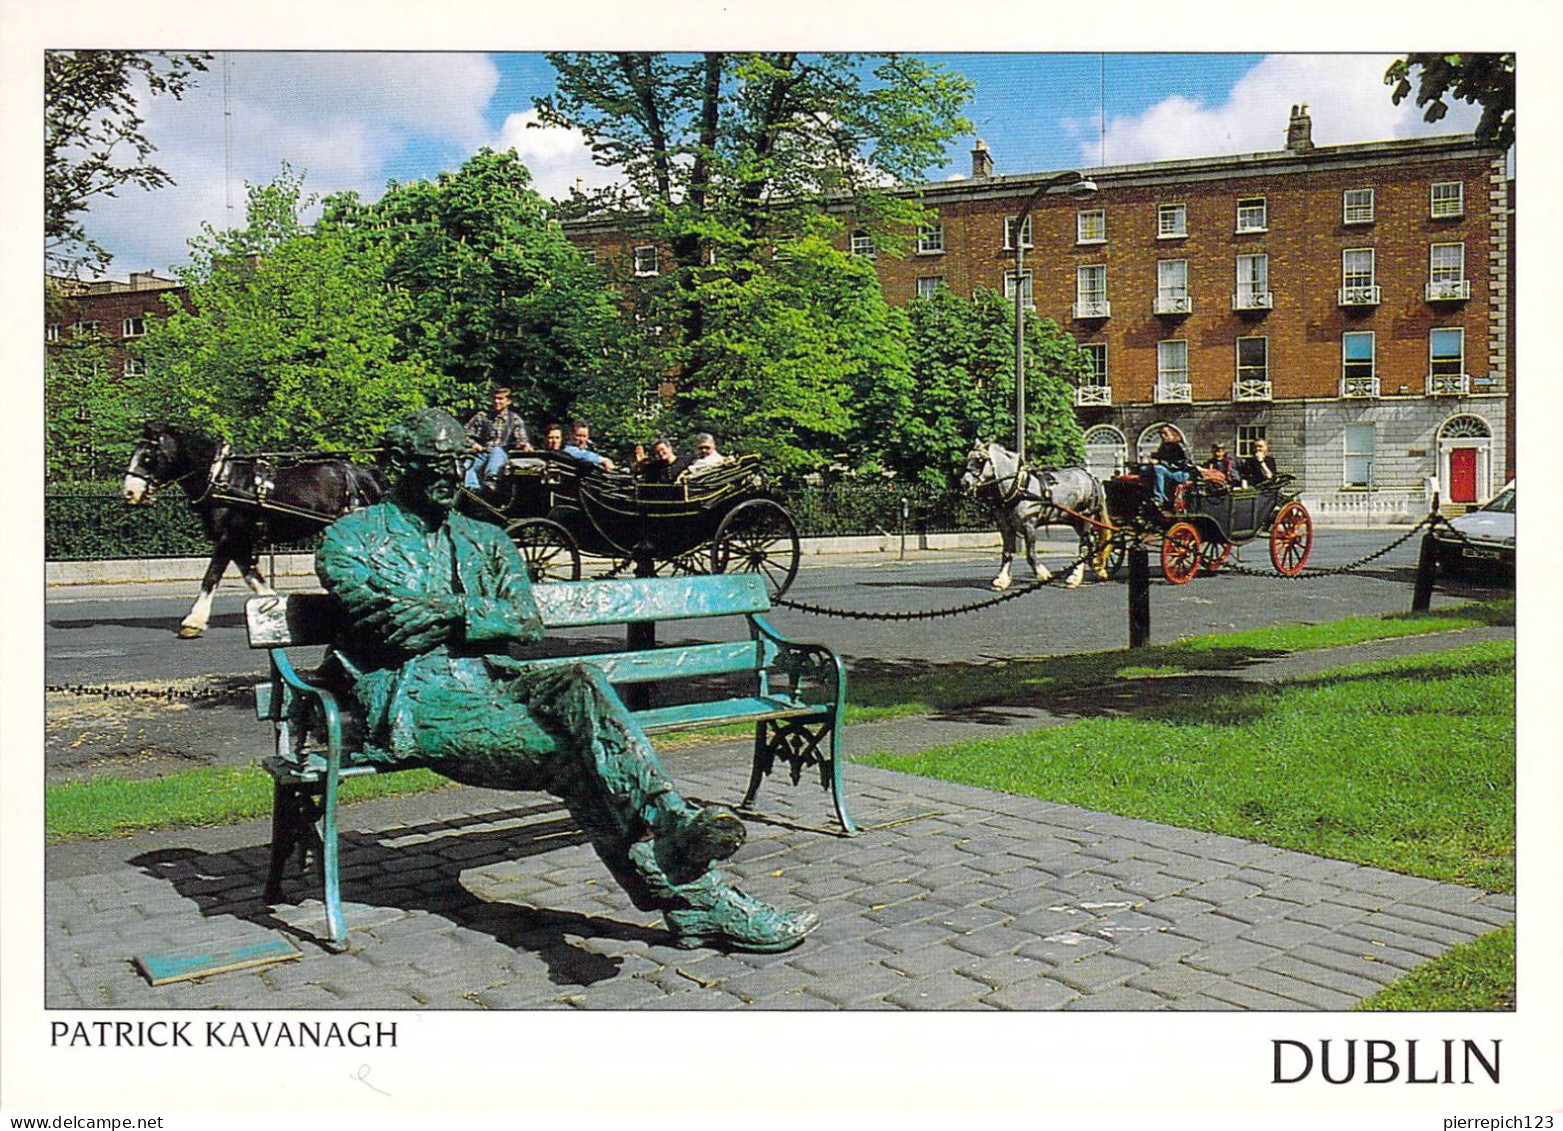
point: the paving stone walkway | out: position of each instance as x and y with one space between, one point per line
951 898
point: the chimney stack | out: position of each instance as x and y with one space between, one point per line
1299 131
981 160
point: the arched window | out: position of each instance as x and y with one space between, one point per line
1105 450
1150 440
1464 427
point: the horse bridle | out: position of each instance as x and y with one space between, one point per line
136 467
1016 481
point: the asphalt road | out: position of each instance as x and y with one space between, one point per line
123 636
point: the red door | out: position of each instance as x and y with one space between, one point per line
1462 475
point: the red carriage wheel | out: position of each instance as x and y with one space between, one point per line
1291 539
1214 555
1180 553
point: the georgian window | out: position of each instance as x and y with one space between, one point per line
1358 470
1253 282
1447 199
1172 286
1252 214
1359 373
1247 436
1253 369
135 367
1446 361
1094 387
1357 206
132 327
928 284
930 239
1172 371
1091 291
1026 298
862 244
83 329
646 261
1091 226
1446 279
51 332
1357 284
1009 233
1172 221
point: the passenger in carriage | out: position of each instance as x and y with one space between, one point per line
553 438
580 447
1259 468
707 458
663 465
1221 460
1169 464
493 437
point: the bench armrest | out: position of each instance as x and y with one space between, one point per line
291 700
803 665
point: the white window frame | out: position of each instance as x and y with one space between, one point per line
1359 211
1091 226
1247 436
135 367
1354 382
1172 381
641 254
1091 301
51 332
1172 297
1358 286
1028 293
1446 273
1355 450
1254 291
590 255
1250 208
1446 372
132 327
1445 205
1009 233
1178 214
1096 387
930 239
862 245
1251 382
928 284
81 328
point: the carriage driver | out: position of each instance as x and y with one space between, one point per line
493 437
436 599
1170 463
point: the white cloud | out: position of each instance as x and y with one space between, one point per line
341 118
557 157
1345 95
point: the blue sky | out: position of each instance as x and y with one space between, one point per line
356 120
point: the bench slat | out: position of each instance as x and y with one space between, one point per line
744 709
666 663
578 604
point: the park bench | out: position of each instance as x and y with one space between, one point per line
795 695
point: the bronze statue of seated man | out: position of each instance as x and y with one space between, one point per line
436 598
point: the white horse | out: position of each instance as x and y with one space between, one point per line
1022 499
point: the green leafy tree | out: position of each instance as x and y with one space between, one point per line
727 156
962 364
290 339
491 291
1487 80
88 413
93 145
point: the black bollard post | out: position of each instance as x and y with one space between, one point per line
1139 596
641 635
1426 569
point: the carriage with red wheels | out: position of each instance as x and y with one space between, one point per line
1207 520
556 508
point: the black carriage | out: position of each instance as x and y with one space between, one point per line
1208 518
557 508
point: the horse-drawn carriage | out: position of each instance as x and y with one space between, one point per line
556 508
1207 520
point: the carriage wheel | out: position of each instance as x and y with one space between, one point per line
758 536
1180 553
548 549
1291 539
1214 555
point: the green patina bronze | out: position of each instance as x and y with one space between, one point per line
435 598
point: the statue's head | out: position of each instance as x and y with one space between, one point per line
425 452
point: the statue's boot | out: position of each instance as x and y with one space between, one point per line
710 834
708 911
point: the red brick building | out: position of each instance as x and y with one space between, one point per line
1352 304
115 312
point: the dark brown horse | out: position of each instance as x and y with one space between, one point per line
245 501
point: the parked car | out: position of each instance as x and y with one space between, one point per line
1486 538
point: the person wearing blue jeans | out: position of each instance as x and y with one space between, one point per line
492 437
1170 464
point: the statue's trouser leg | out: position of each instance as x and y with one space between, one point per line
567 732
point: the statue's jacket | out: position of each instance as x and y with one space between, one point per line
385 564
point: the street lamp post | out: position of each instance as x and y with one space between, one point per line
1079 185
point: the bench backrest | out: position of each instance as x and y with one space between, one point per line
302 619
